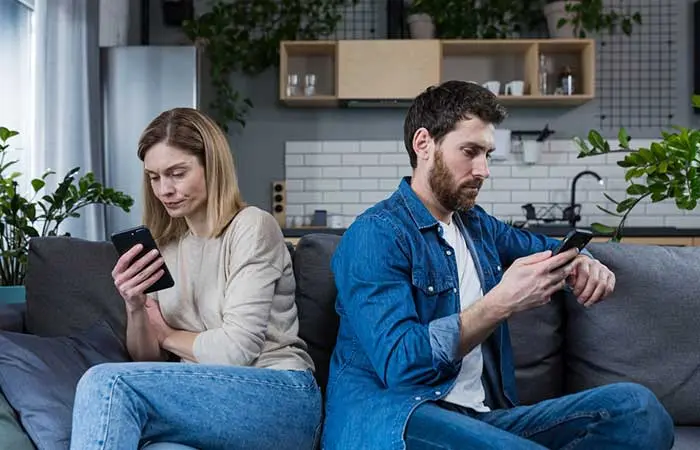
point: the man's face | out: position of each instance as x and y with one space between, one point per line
460 164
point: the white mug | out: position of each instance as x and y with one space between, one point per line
515 87
493 86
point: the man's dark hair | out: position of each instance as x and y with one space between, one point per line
440 108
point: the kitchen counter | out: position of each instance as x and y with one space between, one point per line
549 230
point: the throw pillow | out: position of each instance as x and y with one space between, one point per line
12 436
39 375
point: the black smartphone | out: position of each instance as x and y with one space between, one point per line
124 240
574 239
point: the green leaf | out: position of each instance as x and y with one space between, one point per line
610 198
602 229
626 204
596 140
647 155
696 101
623 138
637 189
37 184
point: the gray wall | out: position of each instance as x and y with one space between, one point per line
259 147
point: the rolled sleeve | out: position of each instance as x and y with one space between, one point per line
444 341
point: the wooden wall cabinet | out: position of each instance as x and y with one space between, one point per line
386 69
398 70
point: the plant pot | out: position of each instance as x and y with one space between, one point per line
12 294
421 26
554 12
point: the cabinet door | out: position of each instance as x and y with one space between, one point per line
387 69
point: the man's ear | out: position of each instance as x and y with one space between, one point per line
422 144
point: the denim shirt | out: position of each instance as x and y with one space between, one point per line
398 302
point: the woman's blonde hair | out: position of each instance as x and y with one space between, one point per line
193 132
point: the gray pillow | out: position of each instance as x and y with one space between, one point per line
38 376
12 436
646 332
69 287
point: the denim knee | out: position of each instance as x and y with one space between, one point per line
98 377
652 424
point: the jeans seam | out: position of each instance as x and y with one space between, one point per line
586 414
306 387
424 441
108 413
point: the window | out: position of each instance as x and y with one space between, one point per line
16 75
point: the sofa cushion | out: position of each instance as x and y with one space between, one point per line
12 436
69 287
39 375
537 337
646 331
12 317
315 298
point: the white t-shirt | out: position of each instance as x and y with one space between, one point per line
468 390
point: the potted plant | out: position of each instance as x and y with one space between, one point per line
669 169
39 213
420 23
579 18
244 37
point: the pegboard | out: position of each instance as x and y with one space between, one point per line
636 74
362 21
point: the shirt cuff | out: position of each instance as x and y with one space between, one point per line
444 341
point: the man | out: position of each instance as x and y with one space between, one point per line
423 357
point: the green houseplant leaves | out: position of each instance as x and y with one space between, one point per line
669 169
39 213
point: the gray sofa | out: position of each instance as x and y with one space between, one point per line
646 332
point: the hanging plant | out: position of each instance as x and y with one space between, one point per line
243 36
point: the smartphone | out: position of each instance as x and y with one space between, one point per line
124 240
574 239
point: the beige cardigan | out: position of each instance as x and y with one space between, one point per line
237 292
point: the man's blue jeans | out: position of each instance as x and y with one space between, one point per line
122 406
617 416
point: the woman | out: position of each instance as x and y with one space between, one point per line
245 380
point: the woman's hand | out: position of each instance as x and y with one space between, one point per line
131 279
158 323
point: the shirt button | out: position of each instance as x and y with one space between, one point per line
448 252
430 289
418 399
454 290
438 392
498 267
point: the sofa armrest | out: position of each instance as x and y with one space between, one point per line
12 317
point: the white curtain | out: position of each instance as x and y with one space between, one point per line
68 117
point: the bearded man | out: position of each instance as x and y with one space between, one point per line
426 281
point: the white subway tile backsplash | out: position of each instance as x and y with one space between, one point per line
303 147
340 147
322 184
381 147
321 160
360 159
347 177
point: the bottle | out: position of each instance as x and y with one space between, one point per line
543 75
566 81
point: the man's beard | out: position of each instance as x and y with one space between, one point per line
443 185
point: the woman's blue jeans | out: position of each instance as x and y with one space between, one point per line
125 406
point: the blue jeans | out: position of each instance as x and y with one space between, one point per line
617 416
122 406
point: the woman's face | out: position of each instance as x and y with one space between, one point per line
177 179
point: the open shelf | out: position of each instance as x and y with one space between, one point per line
302 58
506 60
392 70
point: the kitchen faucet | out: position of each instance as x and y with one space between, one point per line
571 210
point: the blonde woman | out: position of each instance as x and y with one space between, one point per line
245 379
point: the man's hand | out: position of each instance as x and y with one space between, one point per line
158 324
530 281
591 280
